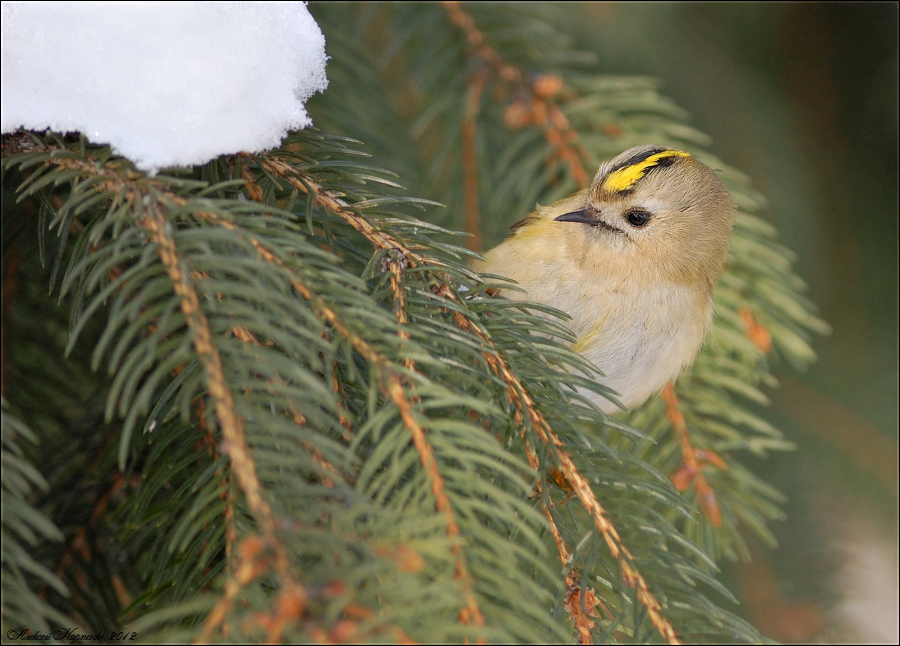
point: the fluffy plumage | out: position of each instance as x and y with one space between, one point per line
633 260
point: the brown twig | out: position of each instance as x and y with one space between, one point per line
232 425
153 220
519 397
574 594
756 332
691 472
539 110
477 44
249 566
471 613
426 455
470 160
393 388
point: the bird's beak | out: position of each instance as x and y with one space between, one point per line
578 216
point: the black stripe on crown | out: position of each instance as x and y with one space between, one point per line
642 156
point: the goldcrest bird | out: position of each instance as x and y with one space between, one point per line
633 260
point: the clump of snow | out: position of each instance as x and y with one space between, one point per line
167 84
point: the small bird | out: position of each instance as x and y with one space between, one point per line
633 260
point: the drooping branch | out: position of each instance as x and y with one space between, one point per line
391 383
579 484
515 390
575 596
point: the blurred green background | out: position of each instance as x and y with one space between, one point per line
803 98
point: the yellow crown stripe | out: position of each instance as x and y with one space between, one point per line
625 178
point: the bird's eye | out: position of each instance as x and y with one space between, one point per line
637 218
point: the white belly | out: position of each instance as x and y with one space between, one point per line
640 339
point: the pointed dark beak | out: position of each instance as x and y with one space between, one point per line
577 216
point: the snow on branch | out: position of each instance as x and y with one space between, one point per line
166 84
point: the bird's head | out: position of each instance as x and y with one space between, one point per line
655 211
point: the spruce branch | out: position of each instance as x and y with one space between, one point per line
155 202
527 410
292 597
576 604
24 527
517 394
558 133
393 389
542 111
690 473
633 578
539 111
476 87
